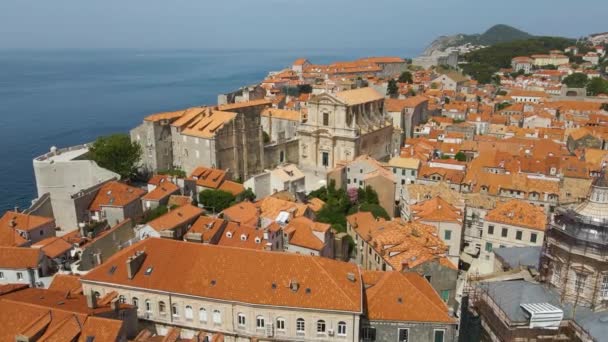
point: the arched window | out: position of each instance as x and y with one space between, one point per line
148 306
202 315
281 324
135 302
259 322
281 156
241 319
321 326
342 328
300 326
122 299
188 312
97 294
174 310
217 317
161 307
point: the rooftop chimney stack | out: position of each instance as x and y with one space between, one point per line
134 263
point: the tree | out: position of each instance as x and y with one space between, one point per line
247 195
373 208
576 80
265 137
305 89
597 86
447 100
392 89
116 153
460 156
406 77
216 200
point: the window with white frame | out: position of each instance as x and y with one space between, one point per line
122 299
174 310
320 326
241 319
439 335
188 312
604 287
281 324
217 317
202 315
161 307
19 276
259 322
1 275
341 328
148 306
135 302
404 335
300 326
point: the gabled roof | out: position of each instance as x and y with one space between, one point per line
207 125
162 191
300 231
19 257
397 296
53 247
519 213
237 275
115 194
14 220
242 236
208 177
436 210
176 217
241 105
359 96
244 212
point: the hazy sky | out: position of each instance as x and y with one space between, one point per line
280 23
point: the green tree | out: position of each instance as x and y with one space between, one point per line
597 86
154 213
460 156
576 80
216 200
116 153
265 137
392 89
447 100
406 77
373 208
247 195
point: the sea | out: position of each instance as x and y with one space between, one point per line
68 97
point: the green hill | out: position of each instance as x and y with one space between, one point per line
483 63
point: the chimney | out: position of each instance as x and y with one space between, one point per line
91 300
134 263
294 285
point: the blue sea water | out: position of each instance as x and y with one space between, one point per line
66 97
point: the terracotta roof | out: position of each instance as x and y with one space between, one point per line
103 329
244 213
383 59
270 207
397 105
300 61
238 275
242 236
176 217
240 105
232 187
207 125
162 191
178 200
189 115
115 194
291 115
207 227
315 204
301 233
53 247
436 210
406 163
359 96
21 221
400 296
19 257
64 283
518 213
208 177
164 116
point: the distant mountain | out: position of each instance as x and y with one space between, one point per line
494 35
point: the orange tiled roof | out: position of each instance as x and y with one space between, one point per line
19 257
115 194
292 115
176 217
207 227
208 177
244 213
163 190
359 96
436 210
518 213
232 187
400 296
240 105
164 116
64 283
242 236
270 207
53 247
300 231
207 125
244 276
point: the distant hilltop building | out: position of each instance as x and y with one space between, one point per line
598 38
370 66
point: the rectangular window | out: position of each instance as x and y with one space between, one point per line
403 182
490 230
404 335
325 119
445 295
447 235
518 235
533 237
579 281
604 288
19 276
403 172
439 335
325 158
1 275
504 232
488 247
369 334
348 181
280 324
394 170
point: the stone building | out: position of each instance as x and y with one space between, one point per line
281 126
342 126
575 257
154 137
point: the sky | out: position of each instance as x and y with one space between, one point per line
279 24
